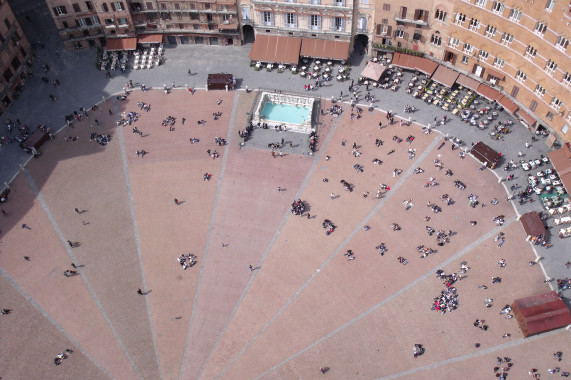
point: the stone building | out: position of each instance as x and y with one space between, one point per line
90 23
15 54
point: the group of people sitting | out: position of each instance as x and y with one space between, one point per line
100 139
187 260
144 106
61 356
297 207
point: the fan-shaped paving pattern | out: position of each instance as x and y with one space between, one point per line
305 305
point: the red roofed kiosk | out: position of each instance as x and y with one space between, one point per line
486 155
541 313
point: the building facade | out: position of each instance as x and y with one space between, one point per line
15 55
84 24
518 46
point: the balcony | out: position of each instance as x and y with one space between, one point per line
411 21
9 36
83 38
78 28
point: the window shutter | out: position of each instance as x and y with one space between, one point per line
105 7
113 7
389 30
55 11
123 6
379 29
405 36
416 14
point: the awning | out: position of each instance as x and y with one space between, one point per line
526 117
508 104
497 74
468 82
541 313
121 44
325 49
532 224
488 92
426 65
445 76
150 38
561 160
373 71
276 49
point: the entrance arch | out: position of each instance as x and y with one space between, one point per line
248 32
361 44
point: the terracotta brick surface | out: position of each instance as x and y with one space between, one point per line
305 305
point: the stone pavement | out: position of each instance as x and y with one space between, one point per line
305 305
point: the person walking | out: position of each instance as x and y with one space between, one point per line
176 202
140 292
332 196
251 268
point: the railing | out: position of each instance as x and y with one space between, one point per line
411 21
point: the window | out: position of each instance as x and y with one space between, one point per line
402 12
490 31
123 21
399 33
454 42
515 15
474 24
435 40
521 76
339 24
549 115
507 39
246 13
118 6
417 35
79 22
533 106
105 7
481 3
339 3
566 79
384 29
420 14
95 20
530 52
268 18
89 5
149 6
387 7
540 90
109 22
565 128
7 23
467 48
459 18
540 28
551 66
440 15
76 7
176 6
290 20
8 74
362 23
562 42
498 7
556 103
60 10
314 22
483 55
316 2
15 63
465 59
549 6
